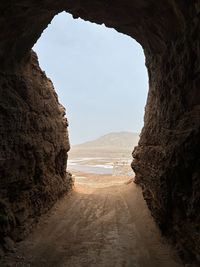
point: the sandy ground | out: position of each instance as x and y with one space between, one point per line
98 180
100 226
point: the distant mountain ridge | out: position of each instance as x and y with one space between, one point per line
115 140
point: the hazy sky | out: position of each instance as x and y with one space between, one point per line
99 76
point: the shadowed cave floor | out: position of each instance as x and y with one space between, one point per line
102 227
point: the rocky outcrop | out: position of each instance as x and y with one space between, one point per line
152 24
33 149
166 162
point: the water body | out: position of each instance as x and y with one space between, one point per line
113 166
99 169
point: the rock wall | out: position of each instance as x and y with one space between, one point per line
33 149
167 160
33 132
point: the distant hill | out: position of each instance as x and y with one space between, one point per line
115 140
117 143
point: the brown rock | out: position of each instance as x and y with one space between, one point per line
34 148
1 253
34 142
9 244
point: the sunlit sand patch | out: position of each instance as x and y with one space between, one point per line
94 180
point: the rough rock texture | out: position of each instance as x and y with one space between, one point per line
33 149
166 161
152 23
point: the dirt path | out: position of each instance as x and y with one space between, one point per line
109 227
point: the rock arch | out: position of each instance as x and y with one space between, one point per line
33 148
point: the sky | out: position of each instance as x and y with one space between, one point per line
99 75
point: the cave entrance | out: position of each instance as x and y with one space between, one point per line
101 79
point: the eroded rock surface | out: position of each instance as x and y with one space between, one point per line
166 161
33 149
